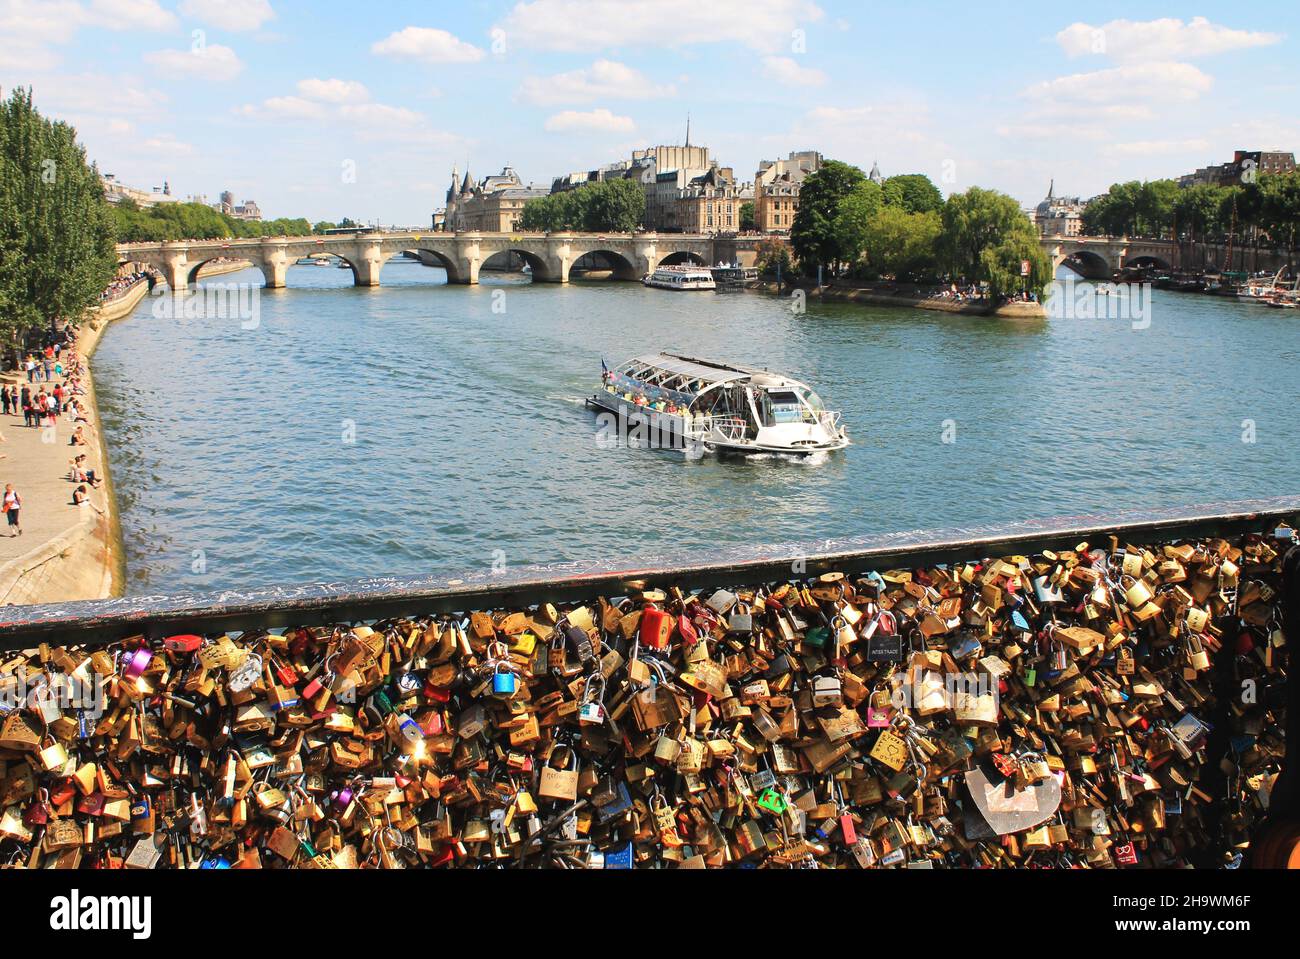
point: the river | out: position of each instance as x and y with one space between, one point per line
420 427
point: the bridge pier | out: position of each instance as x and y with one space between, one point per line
176 271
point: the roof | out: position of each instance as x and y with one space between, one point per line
697 369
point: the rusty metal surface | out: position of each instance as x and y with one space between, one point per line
272 606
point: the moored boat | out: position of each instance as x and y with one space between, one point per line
686 401
680 278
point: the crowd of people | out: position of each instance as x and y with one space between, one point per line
52 392
122 284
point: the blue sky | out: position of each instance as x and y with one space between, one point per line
328 109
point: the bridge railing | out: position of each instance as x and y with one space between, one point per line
269 607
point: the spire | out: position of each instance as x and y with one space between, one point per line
875 176
465 185
1051 189
688 128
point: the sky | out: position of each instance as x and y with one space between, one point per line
328 109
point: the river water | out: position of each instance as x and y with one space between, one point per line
420 427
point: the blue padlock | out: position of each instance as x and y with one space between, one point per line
503 682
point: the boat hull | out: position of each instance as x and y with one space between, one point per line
669 431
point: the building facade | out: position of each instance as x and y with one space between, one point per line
115 192
1234 172
1059 215
776 190
493 205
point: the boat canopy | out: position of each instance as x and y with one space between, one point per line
661 367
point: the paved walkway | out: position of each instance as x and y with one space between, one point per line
36 462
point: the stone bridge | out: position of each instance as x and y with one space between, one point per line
1100 257
550 255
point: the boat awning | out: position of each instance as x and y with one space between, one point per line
707 373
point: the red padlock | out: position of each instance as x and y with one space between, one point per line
656 628
184 643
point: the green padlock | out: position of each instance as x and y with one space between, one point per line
816 637
773 802
1031 677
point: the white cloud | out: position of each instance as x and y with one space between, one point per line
787 71
427 45
603 80
237 15
333 91
597 25
599 120
1142 148
32 22
285 108
29 27
132 15
1165 39
210 62
66 94
1123 86
167 145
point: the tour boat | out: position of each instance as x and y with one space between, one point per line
682 402
680 278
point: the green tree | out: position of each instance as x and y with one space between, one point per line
746 217
904 245
324 226
913 192
852 221
610 206
1197 209
56 232
813 234
1003 266
1156 203
771 254
974 221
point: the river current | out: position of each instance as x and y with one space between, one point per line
420 427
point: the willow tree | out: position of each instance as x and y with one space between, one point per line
56 231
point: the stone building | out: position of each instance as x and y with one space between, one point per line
1059 215
1232 173
493 205
776 189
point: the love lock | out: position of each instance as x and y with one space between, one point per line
773 802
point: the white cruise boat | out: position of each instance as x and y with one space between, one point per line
687 401
680 278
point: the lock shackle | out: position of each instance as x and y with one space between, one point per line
593 691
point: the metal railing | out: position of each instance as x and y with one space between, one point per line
105 621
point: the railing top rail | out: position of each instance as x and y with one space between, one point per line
381 597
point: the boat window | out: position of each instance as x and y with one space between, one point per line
780 406
814 401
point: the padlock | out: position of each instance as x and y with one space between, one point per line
503 680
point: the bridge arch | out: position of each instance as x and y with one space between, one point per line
1089 265
254 263
1148 261
682 258
541 269
444 260
620 267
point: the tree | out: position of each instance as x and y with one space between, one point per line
852 221
902 244
324 226
610 206
1156 202
1197 209
746 217
913 192
771 255
813 234
1003 266
56 233
974 221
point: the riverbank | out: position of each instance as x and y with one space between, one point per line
68 552
876 296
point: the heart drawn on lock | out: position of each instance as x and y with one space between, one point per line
1006 809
